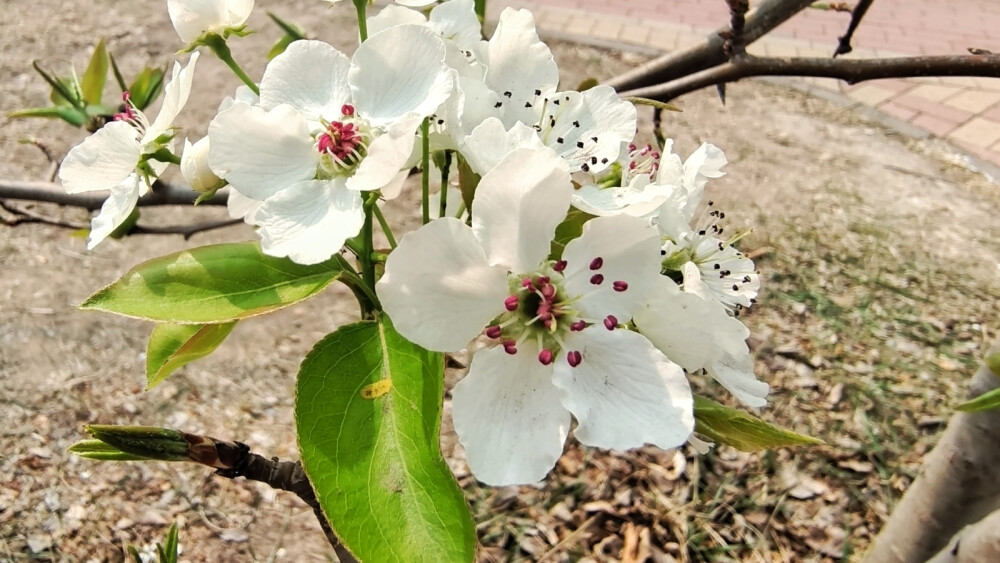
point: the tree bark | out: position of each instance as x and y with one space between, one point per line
958 484
760 20
973 544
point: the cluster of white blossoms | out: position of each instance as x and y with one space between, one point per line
605 333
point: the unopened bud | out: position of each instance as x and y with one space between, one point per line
194 167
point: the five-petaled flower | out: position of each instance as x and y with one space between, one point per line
118 157
326 129
561 326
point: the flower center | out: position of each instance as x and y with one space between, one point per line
343 143
643 160
131 115
539 309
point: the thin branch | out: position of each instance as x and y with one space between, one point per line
850 71
844 46
766 16
234 459
22 216
187 231
734 44
50 192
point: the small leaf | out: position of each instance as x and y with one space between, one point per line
993 363
173 346
214 284
69 114
96 449
168 553
742 431
119 79
96 75
292 34
368 410
146 87
145 442
569 229
986 401
647 102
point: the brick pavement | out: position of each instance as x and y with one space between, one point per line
965 111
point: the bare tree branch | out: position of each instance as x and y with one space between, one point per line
187 231
22 216
768 15
844 46
851 71
234 459
734 44
973 543
50 192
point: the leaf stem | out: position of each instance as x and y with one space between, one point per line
425 179
368 305
361 6
445 171
218 46
385 226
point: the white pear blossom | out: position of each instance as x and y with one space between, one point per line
194 18
326 128
585 128
117 156
195 169
562 346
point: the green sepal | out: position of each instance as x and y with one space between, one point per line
126 227
214 284
96 75
742 431
569 229
368 410
468 181
173 346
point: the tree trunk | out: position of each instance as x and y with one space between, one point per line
958 484
973 544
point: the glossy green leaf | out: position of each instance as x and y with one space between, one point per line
96 75
214 284
742 431
173 346
368 411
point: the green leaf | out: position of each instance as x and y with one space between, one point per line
96 449
993 363
146 87
68 114
168 551
173 346
96 75
292 34
986 401
368 412
569 229
656 104
742 431
214 284
143 442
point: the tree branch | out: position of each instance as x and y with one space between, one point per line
50 192
959 483
234 459
762 19
852 71
973 543
844 46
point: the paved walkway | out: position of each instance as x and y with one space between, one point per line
965 111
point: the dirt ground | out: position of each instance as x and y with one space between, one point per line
880 267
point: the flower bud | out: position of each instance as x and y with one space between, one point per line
194 167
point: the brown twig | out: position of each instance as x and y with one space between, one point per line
850 71
22 216
734 44
50 192
844 45
187 231
766 16
234 459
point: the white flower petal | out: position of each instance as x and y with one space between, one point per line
175 96
456 21
735 373
508 418
310 76
400 71
195 169
309 221
439 289
629 250
518 65
588 128
490 142
727 274
638 199
115 210
518 205
415 3
261 152
103 160
386 156
395 186
191 18
391 16
242 207
703 164
625 393
689 329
